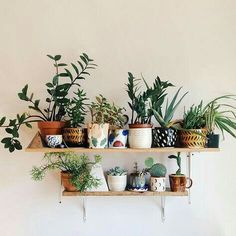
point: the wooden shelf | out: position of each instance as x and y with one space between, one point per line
125 193
37 145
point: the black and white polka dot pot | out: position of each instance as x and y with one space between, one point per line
164 137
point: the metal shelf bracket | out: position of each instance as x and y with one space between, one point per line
84 209
189 155
163 201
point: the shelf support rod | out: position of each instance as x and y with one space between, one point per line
163 201
84 209
60 192
189 155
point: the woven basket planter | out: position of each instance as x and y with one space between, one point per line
193 138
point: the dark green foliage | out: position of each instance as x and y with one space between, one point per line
78 166
142 102
178 160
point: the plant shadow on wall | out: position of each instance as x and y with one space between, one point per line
59 103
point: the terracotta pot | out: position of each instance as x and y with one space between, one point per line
75 137
65 179
98 135
140 135
178 183
50 128
193 138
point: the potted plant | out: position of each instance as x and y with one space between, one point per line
103 115
193 131
137 180
50 119
166 134
219 114
141 104
74 135
158 173
117 179
178 180
75 170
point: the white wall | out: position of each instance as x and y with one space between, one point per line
191 43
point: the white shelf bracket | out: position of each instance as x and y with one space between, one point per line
84 209
189 155
163 201
60 192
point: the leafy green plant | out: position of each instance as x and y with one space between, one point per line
117 171
58 99
78 166
219 114
194 117
165 118
178 160
155 169
142 102
104 112
76 110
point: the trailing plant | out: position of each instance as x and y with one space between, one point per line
102 111
165 118
76 110
142 102
58 99
194 117
178 160
78 166
155 170
117 171
219 114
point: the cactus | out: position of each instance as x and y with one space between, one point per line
178 160
155 170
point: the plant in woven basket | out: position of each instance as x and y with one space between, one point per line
77 166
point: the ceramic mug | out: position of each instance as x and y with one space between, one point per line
158 184
54 140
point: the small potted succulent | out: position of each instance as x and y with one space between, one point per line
137 180
117 179
74 135
178 180
50 119
193 131
141 104
158 173
75 170
166 134
220 114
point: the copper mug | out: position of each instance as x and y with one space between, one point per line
178 183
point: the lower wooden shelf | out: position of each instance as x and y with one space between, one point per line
125 193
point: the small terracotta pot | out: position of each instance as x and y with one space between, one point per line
50 128
178 183
193 138
65 179
75 137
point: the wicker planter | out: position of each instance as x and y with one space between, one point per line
75 137
164 137
193 138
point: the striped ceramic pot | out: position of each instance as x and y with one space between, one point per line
193 138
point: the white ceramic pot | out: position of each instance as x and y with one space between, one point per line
140 137
98 135
158 184
117 183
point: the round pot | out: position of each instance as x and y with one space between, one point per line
118 138
137 181
54 140
178 183
140 136
213 140
193 138
158 184
65 179
117 183
164 137
98 135
50 128
75 137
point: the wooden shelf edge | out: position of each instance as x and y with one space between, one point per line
125 193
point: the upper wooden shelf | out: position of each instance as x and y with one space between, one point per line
37 145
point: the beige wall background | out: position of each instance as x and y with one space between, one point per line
190 43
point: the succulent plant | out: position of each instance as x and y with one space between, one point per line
155 170
178 160
117 171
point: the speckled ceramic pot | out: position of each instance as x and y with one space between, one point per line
164 137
